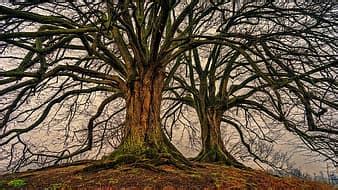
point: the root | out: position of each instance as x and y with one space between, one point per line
148 159
217 156
147 166
109 164
170 160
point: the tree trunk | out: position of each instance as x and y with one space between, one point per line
144 138
213 149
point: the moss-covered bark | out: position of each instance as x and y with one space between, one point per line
213 149
144 139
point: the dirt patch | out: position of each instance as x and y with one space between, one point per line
202 176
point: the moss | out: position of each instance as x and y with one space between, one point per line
216 155
55 186
2 184
128 148
125 159
146 155
147 158
151 153
17 183
128 154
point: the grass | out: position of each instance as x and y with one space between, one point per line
204 176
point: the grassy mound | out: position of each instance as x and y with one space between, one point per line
131 176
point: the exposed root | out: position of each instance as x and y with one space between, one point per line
147 159
217 156
148 166
167 159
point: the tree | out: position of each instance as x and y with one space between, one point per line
283 69
126 46
131 50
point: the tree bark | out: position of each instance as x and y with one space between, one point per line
213 149
144 138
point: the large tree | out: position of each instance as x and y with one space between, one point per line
282 73
122 48
69 52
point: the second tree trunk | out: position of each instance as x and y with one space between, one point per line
213 149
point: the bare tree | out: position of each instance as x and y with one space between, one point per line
124 49
281 73
78 57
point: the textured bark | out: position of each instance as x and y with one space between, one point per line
144 138
213 149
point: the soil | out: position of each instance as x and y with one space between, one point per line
137 177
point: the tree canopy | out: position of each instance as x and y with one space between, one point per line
66 66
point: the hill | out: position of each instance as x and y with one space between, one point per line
201 176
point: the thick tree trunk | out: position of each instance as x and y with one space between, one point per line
144 138
213 149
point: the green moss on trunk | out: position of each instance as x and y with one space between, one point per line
144 141
215 154
213 150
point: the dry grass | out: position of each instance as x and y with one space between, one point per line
205 176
